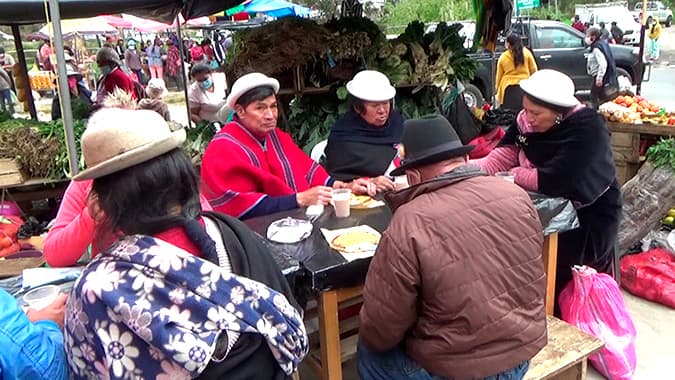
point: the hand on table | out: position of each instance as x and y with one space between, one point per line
383 183
598 82
319 195
55 311
362 186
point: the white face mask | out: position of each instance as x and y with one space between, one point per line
588 40
132 47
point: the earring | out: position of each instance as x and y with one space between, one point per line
558 119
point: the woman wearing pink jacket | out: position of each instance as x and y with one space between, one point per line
74 230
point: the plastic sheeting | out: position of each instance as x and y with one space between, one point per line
555 214
646 198
15 12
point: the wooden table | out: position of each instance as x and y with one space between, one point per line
329 323
566 354
626 145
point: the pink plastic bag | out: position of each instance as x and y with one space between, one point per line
593 302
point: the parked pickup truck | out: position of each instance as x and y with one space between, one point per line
554 46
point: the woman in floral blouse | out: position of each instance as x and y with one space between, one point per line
180 294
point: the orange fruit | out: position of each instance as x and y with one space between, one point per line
629 101
619 99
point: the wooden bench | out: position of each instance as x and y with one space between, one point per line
565 357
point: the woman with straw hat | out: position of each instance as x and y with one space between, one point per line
179 294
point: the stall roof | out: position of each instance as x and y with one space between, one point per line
15 12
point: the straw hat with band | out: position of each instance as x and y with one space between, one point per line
370 85
117 139
429 140
550 87
247 83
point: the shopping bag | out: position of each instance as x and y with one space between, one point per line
593 303
650 275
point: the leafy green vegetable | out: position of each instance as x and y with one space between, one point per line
662 154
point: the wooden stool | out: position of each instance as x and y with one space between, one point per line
565 357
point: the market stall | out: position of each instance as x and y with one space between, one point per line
635 124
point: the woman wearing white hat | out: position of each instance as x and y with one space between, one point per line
561 148
252 168
362 143
179 294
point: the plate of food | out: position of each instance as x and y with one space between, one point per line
289 230
354 242
364 202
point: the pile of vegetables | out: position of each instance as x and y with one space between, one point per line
662 154
335 51
277 46
198 137
436 58
39 147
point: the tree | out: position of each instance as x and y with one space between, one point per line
398 13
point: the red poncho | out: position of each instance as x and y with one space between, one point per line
238 171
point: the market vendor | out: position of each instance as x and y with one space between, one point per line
205 96
362 143
79 95
561 148
252 168
112 75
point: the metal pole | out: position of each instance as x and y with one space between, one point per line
181 48
23 70
64 92
641 54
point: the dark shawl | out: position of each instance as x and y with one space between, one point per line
574 161
250 358
358 149
574 158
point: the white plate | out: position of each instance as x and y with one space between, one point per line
289 230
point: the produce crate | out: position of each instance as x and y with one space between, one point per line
10 172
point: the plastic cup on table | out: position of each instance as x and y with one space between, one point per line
506 176
41 297
341 200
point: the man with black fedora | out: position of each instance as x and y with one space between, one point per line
456 288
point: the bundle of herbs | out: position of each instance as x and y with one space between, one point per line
278 46
40 147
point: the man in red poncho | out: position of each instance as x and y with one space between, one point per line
251 168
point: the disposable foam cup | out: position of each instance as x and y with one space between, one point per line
41 297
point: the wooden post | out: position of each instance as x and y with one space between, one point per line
23 70
550 256
329 328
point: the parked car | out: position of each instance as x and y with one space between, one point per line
555 46
616 11
655 9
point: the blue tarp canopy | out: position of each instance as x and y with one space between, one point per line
276 8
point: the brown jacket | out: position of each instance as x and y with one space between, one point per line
458 277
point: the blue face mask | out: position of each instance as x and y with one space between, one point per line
206 84
105 70
132 47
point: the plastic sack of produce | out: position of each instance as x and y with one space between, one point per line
646 198
593 303
650 275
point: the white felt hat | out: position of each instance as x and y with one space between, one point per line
552 87
249 82
371 86
116 139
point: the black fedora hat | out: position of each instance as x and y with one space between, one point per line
428 140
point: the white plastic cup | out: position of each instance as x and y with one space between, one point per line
506 176
41 297
341 200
